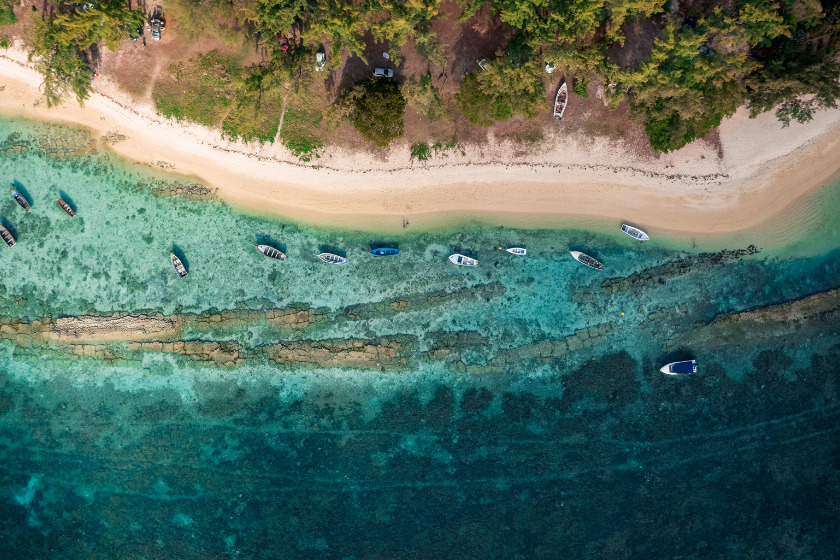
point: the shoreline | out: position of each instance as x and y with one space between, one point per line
757 172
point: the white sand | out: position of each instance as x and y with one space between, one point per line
763 170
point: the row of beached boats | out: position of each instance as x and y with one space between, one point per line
7 236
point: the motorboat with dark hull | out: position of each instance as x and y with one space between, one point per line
21 200
332 259
583 258
66 207
634 232
385 252
463 260
271 252
7 237
684 367
179 266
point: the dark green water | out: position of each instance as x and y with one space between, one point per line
523 416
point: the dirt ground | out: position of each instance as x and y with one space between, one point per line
136 66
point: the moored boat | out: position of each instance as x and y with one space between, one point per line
332 259
179 266
634 232
271 252
463 260
560 101
66 207
385 252
684 367
517 251
583 258
20 199
7 236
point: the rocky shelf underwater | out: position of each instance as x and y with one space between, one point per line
395 407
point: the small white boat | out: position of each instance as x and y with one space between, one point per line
560 101
634 232
684 367
517 251
271 252
583 258
463 260
178 265
332 259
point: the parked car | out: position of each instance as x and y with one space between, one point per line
383 73
156 30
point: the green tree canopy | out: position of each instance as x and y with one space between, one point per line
378 110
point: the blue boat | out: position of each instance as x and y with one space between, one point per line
686 367
385 252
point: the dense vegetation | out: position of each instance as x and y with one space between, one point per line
701 62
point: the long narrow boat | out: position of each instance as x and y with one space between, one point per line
385 252
66 207
517 251
560 101
684 367
583 258
7 237
179 266
332 259
463 260
20 199
634 232
271 252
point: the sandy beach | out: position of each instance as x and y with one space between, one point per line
758 170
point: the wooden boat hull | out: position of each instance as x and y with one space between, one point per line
463 260
20 200
634 232
330 258
517 251
561 100
7 237
385 252
271 252
178 265
66 207
583 258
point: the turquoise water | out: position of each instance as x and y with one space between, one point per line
403 407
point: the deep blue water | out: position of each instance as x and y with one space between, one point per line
522 414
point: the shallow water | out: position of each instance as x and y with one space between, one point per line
520 412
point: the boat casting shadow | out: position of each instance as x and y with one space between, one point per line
22 190
332 249
271 242
180 254
8 225
461 251
66 198
678 354
377 244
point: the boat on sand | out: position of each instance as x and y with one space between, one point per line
560 101
463 260
684 367
179 266
634 232
583 258
271 252
66 207
332 259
